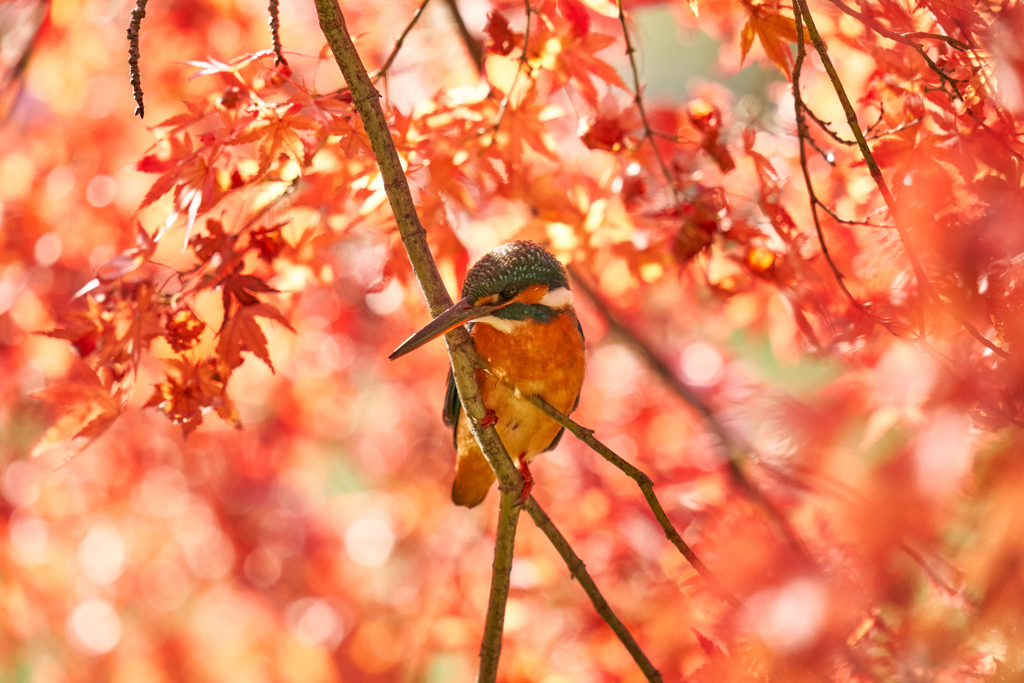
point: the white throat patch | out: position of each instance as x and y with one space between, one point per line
501 324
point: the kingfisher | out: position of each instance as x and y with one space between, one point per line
522 320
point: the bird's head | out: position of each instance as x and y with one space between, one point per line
516 282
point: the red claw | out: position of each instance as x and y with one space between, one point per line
490 419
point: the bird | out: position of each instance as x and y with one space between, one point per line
523 322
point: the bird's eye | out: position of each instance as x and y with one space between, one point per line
509 293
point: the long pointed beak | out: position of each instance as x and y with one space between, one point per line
461 312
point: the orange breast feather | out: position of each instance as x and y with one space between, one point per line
539 358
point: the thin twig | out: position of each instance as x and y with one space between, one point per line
133 55
461 350
275 33
638 98
849 221
383 71
876 174
578 570
476 53
646 486
904 38
825 127
804 136
503 107
735 452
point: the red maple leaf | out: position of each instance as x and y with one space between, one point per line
240 332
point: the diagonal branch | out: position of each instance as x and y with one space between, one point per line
476 53
383 71
735 451
366 101
578 570
523 62
903 38
275 33
646 487
804 137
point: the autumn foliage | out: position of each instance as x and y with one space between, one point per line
803 303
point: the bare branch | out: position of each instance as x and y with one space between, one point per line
735 452
646 486
803 135
904 38
503 107
366 101
801 8
133 55
19 50
501 570
383 71
275 33
578 570
476 53
638 98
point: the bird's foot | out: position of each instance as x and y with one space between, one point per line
489 420
527 480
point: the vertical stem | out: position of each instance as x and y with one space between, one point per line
366 101
501 570
138 14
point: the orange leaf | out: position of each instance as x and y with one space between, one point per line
87 412
775 32
577 61
576 12
277 135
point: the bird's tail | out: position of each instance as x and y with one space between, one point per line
473 478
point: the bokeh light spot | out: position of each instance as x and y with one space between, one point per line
386 301
94 627
29 539
788 618
101 191
48 249
369 541
701 364
101 554
20 483
315 622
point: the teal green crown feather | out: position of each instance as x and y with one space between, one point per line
510 269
